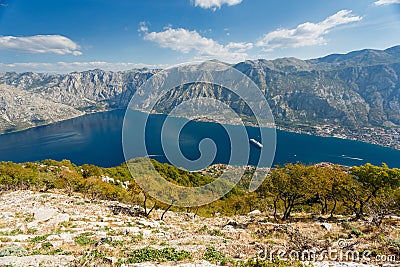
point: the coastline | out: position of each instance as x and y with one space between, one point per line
55 122
320 131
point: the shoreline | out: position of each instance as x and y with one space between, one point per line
395 144
55 122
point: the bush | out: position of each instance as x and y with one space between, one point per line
83 240
39 238
159 255
213 255
354 230
13 251
94 257
47 245
394 242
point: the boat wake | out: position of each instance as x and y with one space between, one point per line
347 157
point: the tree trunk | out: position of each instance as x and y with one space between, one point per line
165 211
275 202
152 208
288 209
145 204
333 208
325 210
195 213
286 213
360 211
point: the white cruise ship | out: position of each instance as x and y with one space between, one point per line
254 141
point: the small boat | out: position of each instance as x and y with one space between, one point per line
254 141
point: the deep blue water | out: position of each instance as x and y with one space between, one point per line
97 139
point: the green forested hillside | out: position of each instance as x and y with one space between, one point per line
322 189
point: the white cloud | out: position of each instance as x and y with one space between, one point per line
65 67
306 34
143 27
215 4
186 41
240 47
38 44
386 2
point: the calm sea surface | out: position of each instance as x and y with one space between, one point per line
96 139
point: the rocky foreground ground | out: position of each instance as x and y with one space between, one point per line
53 229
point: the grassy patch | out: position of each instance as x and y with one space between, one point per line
216 232
137 238
354 231
12 232
160 255
95 257
13 251
39 238
213 255
83 240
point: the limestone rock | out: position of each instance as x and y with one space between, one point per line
254 212
44 214
36 260
147 223
327 226
59 218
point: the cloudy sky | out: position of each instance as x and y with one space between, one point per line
75 35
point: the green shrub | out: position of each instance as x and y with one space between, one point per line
13 251
394 242
137 238
94 257
56 251
83 240
39 238
203 229
47 245
354 230
216 232
160 255
213 255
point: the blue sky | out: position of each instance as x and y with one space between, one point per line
75 35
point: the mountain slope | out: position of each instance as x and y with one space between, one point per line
354 91
351 96
21 109
93 89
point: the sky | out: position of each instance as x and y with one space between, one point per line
77 35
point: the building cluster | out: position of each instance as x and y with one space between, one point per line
388 137
110 180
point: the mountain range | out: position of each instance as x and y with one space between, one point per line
354 91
